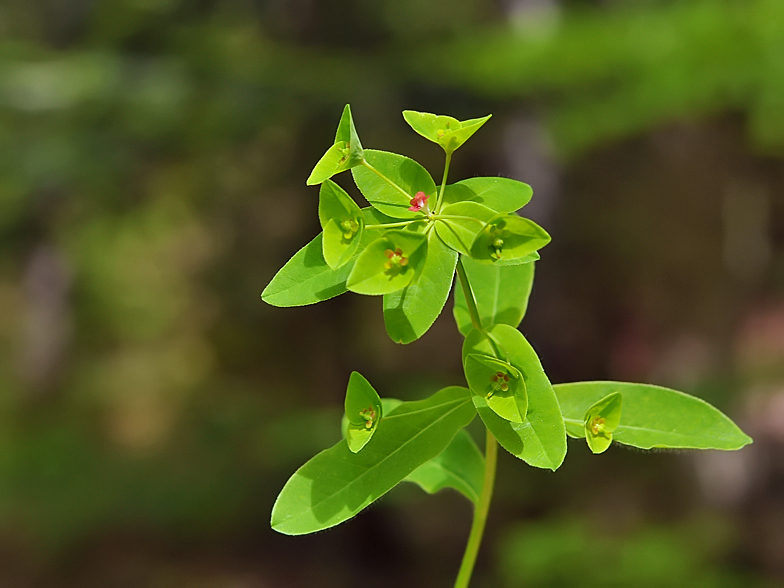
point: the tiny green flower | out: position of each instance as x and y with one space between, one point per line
395 259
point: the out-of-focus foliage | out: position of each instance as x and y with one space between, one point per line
153 158
563 554
605 76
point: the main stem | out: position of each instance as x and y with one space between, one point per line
480 514
482 506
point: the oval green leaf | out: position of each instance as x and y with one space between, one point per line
501 293
460 466
653 416
501 385
389 263
342 222
500 194
393 184
336 484
409 313
508 237
458 224
363 411
540 440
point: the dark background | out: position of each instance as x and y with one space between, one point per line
153 157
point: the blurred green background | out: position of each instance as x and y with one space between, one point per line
153 157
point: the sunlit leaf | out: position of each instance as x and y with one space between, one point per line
540 440
336 484
499 194
394 183
409 313
306 278
652 416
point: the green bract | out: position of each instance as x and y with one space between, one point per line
389 263
342 222
363 411
407 247
344 154
509 238
448 132
501 384
601 419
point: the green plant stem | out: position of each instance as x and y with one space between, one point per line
491 456
386 179
389 225
480 514
473 312
437 209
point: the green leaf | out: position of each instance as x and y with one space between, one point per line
508 237
601 419
306 278
460 466
409 313
389 263
344 154
501 385
342 222
336 484
363 411
467 220
652 416
540 440
501 293
448 132
399 180
500 194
